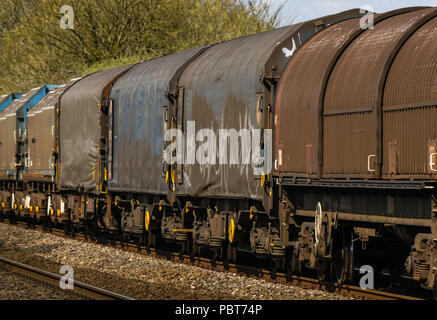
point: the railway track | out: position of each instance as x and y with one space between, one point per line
44 276
245 270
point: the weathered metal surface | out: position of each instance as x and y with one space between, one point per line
7 99
352 106
41 129
279 57
411 81
7 146
301 93
373 218
3 98
9 134
349 145
408 207
221 88
411 129
299 97
138 140
80 130
22 150
410 107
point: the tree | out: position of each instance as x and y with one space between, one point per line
108 33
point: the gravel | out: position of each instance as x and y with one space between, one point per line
139 276
14 286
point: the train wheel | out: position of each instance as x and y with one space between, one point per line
87 229
151 240
75 228
277 264
117 235
214 256
50 225
292 265
68 228
32 222
296 265
93 229
195 250
342 263
323 273
183 248
123 239
139 241
231 254
144 239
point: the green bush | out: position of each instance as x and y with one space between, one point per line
108 33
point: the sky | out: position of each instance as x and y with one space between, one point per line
301 10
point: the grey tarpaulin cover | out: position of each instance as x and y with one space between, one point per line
139 97
80 130
221 89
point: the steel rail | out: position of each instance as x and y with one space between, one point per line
81 288
300 281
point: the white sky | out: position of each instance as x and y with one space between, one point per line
302 10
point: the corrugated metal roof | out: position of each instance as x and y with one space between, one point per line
17 104
355 81
300 97
412 80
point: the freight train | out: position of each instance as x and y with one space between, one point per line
340 118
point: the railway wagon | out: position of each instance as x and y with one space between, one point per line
355 143
5 101
82 143
13 120
139 102
40 158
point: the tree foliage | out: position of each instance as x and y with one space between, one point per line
108 33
